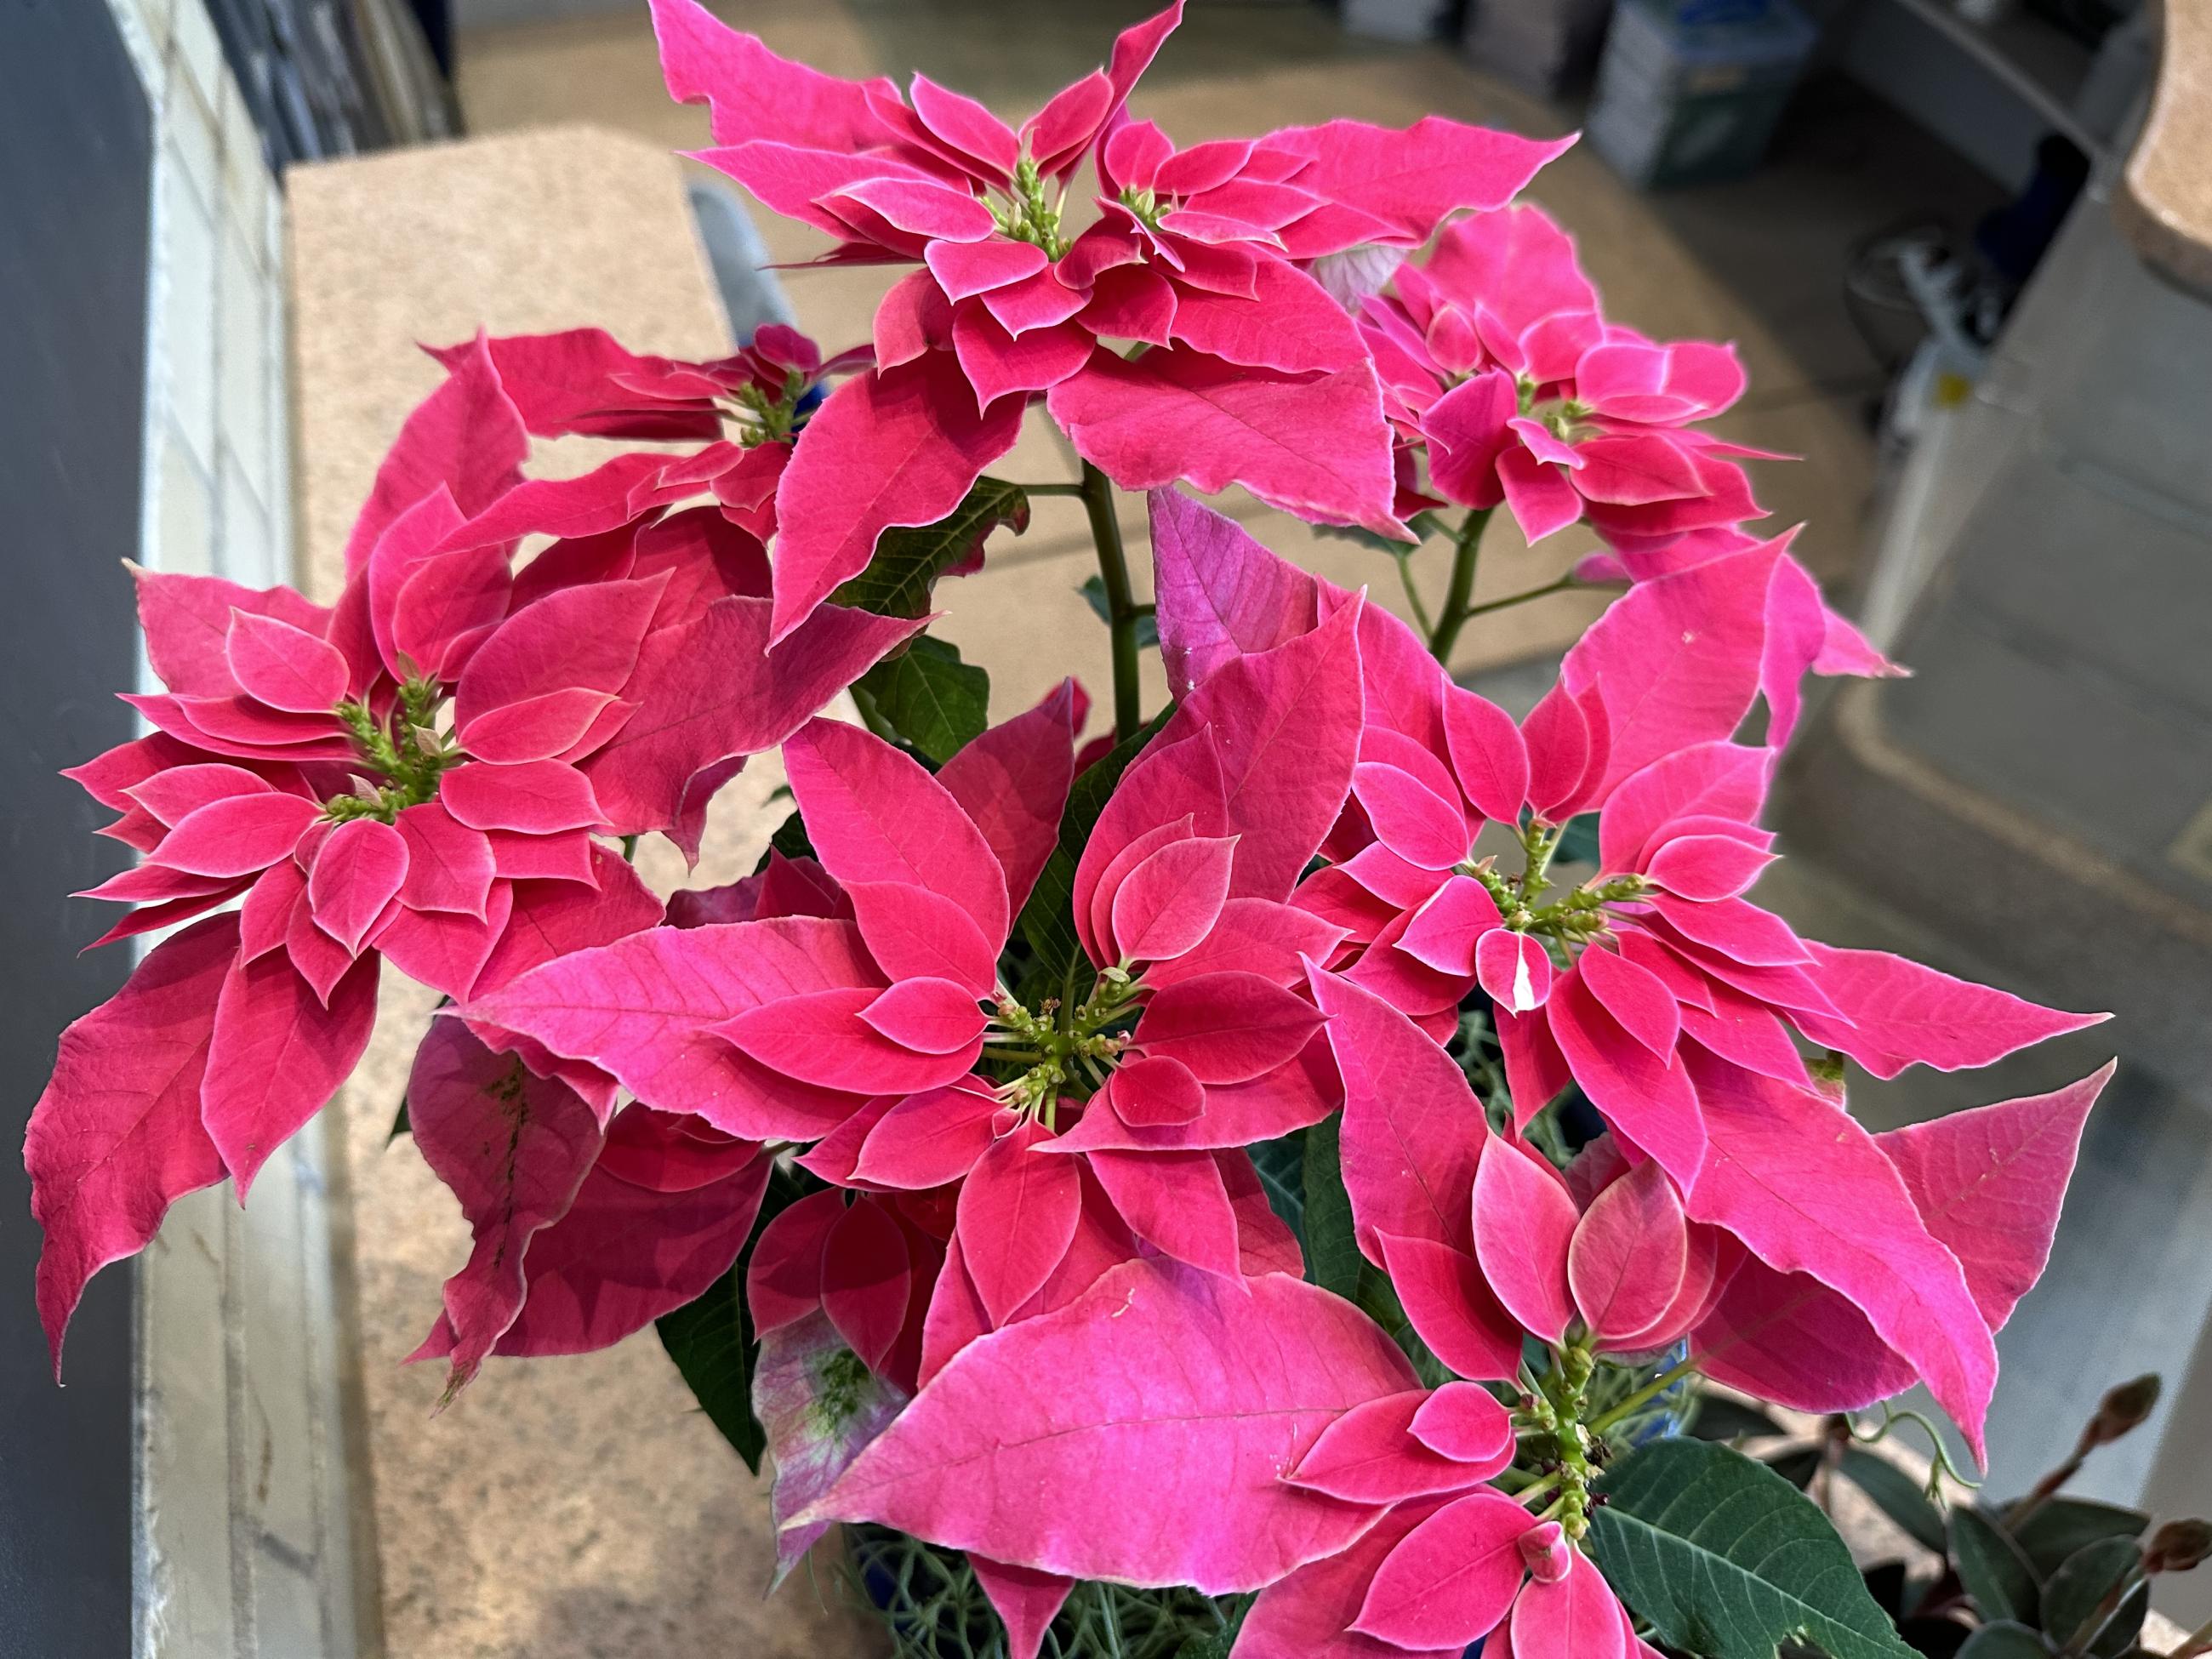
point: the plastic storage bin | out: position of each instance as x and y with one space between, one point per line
1687 93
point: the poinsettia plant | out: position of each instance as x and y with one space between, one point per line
1290 1151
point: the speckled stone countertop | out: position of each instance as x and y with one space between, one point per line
563 1509
2165 207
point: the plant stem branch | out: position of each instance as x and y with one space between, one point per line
1650 1391
1467 550
1121 613
1413 594
1559 586
1050 488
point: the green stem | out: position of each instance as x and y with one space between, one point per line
1512 599
1467 549
1050 488
1120 604
1413 594
1650 1391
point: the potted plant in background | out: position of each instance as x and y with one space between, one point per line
1265 1177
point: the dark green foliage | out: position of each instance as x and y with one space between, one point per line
934 703
908 563
1332 1260
1726 1558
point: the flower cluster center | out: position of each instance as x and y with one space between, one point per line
1026 216
1062 1046
404 749
763 419
1572 920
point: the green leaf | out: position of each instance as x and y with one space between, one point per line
1726 1558
1578 841
711 1337
711 1341
2060 1526
2005 1638
1332 1260
1048 921
908 563
1897 1495
1094 592
937 702
1719 1418
2078 1589
1281 1163
1994 1569
400 1126
1378 1299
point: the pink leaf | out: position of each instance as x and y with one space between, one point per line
1649 1100
1150 1456
513 1148
1253 936
1637 998
931 1016
1151 1089
1808 1190
1286 727
1412 177
283 666
1412 1131
1369 1456
1524 1223
236 834
627 1250
1227 1028
866 1278
1989 1181
1451 1579
449 866
115 1138
819 1037
1572 1617
1514 968
1171 901
358 870
876 815
1706 779
893 447
1017 1213
712 691
187 619
538 797
820 1407
1629 1255
276 1054
1488 754
640 1006
1308 1615
1174 1201
1220 594
751 92
1452 1307
1315 445
465 437
1897 1012
1676 661
1026 1599
1012 782
930 1139
1466 1423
